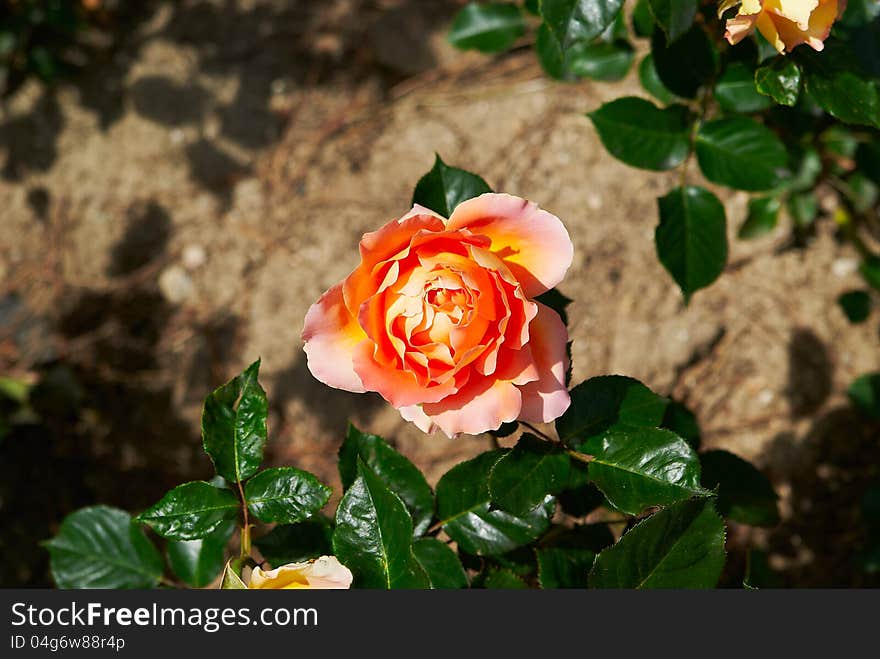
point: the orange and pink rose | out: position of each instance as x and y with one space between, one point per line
784 23
440 318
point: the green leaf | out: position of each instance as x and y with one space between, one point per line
680 420
440 563
759 574
868 159
295 543
687 63
744 493
861 192
856 305
444 188
780 80
234 425
870 270
190 511
679 547
806 166
501 579
523 477
864 392
564 568
532 6
231 577
803 208
651 82
198 562
101 547
839 140
489 28
285 494
691 238
641 134
761 218
643 19
604 402
675 17
464 508
578 21
837 82
640 467
400 475
373 536
736 92
601 61
581 500
740 153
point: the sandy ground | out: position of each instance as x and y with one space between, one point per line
170 216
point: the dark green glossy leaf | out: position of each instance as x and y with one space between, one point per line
780 80
740 153
675 17
400 475
444 188
190 511
838 83
285 495
651 82
532 6
864 392
606 401
601 61
500 579
198 562
295 543
564 568
464 508
806 166
680 420
744 493
691 238
524 476
736 92
489 28
101 547
234 425
761 219
643 19
594 537
578 21
679 547
856 305
640 467
440 563
687 63
641 134
373 536
581 500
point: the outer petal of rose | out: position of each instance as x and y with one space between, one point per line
532 242
767 27
331 334
739 27
416 415
398 387
478 407
797 11
546 399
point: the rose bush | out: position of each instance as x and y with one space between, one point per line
784 23
325 572
440 318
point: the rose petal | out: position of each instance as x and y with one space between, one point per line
481 405
546 399
331 334
416 415
532 242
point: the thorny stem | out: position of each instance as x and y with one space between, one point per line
528 426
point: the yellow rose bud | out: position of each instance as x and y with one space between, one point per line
324 572
784 23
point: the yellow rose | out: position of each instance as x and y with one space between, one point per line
324 572
784 23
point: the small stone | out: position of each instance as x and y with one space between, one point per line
765 397
175 284
193 257
844 267
177 136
